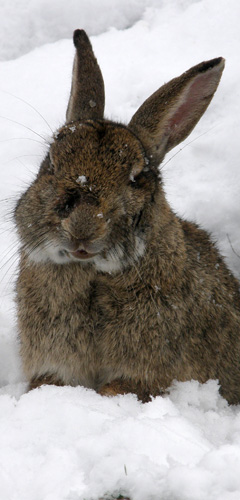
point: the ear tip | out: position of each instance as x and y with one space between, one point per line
218 62
80 37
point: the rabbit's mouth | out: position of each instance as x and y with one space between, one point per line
82 254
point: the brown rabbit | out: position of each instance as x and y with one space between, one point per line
115 292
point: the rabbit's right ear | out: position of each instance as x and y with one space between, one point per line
87 96
168 116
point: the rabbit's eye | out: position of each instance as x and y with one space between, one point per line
137 181
73 199
146 179
65 206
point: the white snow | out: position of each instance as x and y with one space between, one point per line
81 179
70 443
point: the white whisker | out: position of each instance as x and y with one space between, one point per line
25 126
29 105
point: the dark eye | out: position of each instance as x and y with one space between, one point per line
144 179
137 181
68 203
72 199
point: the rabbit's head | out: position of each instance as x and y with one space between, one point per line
89 196
93 198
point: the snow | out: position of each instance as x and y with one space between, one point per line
70 443
81 178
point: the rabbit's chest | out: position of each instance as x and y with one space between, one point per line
121 318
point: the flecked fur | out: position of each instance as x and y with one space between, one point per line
155 302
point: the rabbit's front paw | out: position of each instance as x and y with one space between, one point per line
44 380
115 387
120 386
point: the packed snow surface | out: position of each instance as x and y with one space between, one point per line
70 443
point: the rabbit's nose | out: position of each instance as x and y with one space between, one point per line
80 227
81 245
85 233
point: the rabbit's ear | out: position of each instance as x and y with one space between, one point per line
168 116
87 93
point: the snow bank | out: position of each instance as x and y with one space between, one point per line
71 444
31 23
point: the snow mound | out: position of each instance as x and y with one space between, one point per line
72 444
30 23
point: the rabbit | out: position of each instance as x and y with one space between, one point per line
115 292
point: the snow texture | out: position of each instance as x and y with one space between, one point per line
70 443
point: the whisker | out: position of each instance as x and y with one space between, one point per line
3 259
12 243
188 144
19 157
231 245
25 126
30 106
21 139
13 259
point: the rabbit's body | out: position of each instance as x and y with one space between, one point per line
115 292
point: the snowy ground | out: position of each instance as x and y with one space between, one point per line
70 443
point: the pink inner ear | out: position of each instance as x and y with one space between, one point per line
189 111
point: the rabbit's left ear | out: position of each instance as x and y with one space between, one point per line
87 96
168 116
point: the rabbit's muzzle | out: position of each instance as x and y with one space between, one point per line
84 234
82 249
82 254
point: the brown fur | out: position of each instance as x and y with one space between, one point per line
160 303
